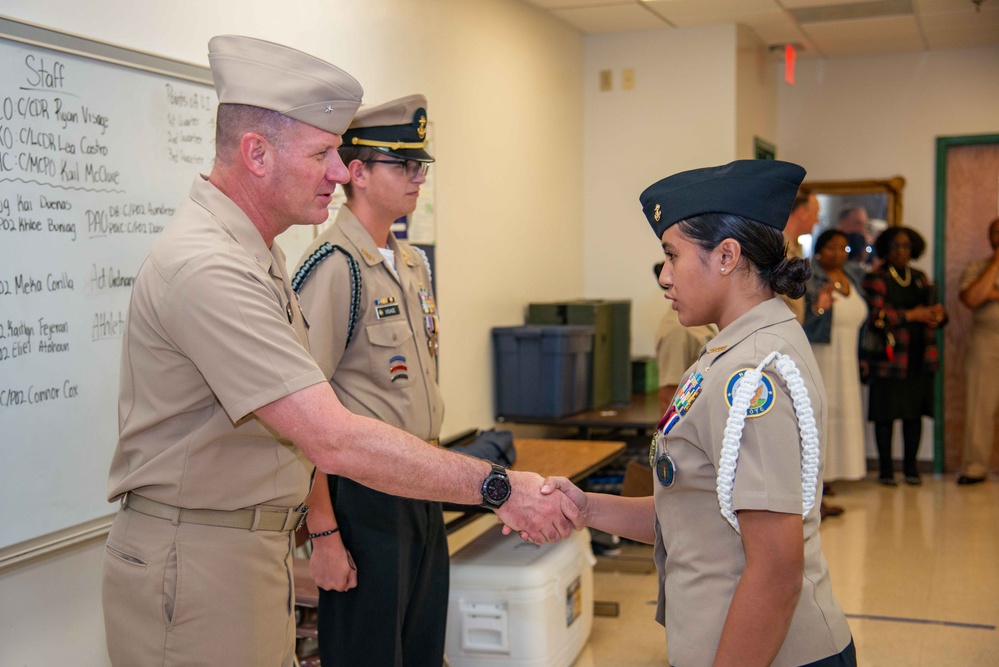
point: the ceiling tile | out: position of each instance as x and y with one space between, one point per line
775 29
965 38
948 6
610 19
565 4
850 48
684 13
958 21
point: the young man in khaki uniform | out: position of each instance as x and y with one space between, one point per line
383 573
677 347
223 411
980 293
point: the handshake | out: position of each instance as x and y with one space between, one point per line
542 509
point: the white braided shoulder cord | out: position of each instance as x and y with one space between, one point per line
737 420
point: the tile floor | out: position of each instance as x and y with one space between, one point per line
916 569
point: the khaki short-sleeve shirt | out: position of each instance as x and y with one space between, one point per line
699 555
986 316
387 371
677 346
214 332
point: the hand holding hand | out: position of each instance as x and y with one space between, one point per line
936 315
331 566
570 492
538 517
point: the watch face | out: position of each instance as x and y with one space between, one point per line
497 489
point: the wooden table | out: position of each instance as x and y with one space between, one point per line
575 459
640 414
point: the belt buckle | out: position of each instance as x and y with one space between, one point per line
301 519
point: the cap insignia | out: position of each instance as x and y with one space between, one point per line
421 129
657 213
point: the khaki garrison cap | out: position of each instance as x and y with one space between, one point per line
271 76
397 128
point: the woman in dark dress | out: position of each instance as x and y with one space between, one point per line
902 318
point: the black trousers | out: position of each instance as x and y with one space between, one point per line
397 614
845 658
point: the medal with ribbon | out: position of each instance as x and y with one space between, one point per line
662 462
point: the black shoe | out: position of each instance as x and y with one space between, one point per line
964 480
913 480
887 481
829 510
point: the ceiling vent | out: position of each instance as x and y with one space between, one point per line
852 12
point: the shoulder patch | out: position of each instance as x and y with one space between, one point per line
762 400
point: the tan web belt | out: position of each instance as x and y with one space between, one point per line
256 518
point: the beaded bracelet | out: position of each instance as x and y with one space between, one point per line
313 536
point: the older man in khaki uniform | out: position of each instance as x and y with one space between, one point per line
980 293
222 410
374 328
804 215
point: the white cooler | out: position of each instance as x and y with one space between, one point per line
516 603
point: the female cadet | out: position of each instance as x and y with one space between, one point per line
734 517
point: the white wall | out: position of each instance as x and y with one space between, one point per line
504 85
756 94
680 115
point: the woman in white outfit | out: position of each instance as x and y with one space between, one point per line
835 309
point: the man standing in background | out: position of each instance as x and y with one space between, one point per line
980 293
381 561
853 222
803 218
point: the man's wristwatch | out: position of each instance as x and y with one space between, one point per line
496 488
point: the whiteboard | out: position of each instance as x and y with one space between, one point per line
96 153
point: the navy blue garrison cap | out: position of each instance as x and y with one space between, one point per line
761 190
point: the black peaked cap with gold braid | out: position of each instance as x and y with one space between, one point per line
397 128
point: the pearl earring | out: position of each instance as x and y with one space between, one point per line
723 270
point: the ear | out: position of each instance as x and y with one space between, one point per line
254 151
358 174
728 253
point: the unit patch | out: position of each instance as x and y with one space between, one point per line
762 400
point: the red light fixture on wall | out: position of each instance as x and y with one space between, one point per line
789 57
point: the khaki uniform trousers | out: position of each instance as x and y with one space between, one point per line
191 595
981 401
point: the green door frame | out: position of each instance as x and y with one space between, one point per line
939 253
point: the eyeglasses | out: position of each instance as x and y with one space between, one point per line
411 167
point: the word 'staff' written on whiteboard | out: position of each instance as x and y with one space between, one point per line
94 159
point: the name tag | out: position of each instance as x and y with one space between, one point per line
388 310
